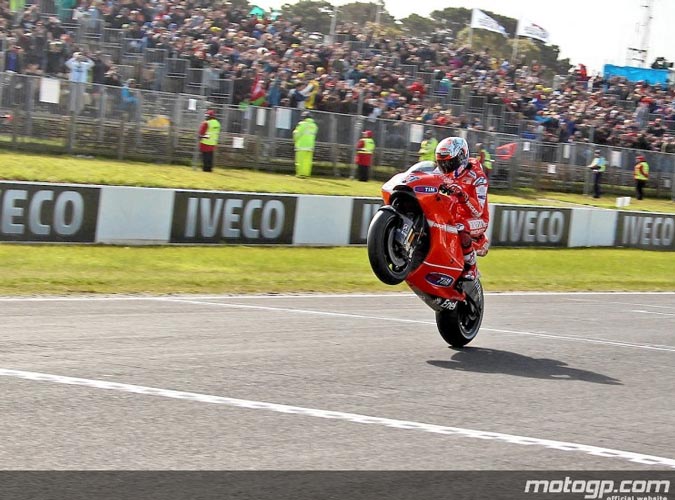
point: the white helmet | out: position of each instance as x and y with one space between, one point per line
452 153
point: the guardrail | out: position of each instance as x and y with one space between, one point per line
66 213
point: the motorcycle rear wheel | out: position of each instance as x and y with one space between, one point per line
460 326
387 259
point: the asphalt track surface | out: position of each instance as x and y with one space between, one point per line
553 381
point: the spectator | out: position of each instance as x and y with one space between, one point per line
129 98
226 42
100 69
79 66
112 77
55 58
14 59
297 97
642 114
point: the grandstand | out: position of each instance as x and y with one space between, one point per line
156 67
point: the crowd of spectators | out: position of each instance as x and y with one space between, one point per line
276 62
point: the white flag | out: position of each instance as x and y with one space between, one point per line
481 20
531 30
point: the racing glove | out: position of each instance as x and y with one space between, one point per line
454 190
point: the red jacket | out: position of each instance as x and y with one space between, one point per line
474 183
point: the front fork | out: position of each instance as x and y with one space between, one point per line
409 234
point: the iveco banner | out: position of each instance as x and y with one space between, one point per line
648 231
47 213
530 226
205 217
363 211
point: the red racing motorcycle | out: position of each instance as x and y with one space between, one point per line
413 238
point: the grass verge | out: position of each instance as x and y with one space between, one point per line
40 168
52 269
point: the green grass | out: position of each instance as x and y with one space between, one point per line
53 269
38 168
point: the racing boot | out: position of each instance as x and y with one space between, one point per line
470 272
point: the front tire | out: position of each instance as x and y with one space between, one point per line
387 258
460 326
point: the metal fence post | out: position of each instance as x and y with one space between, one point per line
30 105
272 133
334 150
137 118
358 127
101 113
257 148
15 125
406 151
120 146
71 133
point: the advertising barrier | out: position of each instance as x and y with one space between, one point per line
647 231
48 212
363 210
238 218
44 213
517 226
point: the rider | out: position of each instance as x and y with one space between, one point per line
465 179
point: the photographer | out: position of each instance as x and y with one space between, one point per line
79 66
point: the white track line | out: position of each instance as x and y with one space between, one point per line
652 312
614 302
347 417
651 347
200 300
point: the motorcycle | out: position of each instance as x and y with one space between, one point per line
413 238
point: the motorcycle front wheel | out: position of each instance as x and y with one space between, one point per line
387 258
460 326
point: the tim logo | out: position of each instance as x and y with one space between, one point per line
426 189
438 279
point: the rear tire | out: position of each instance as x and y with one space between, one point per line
460 326
387 259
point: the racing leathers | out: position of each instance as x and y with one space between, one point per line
470 185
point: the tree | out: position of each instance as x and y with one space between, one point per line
419 25
361 13
496 43
452 18
549 55
311 14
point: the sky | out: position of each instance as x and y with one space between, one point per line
591 32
